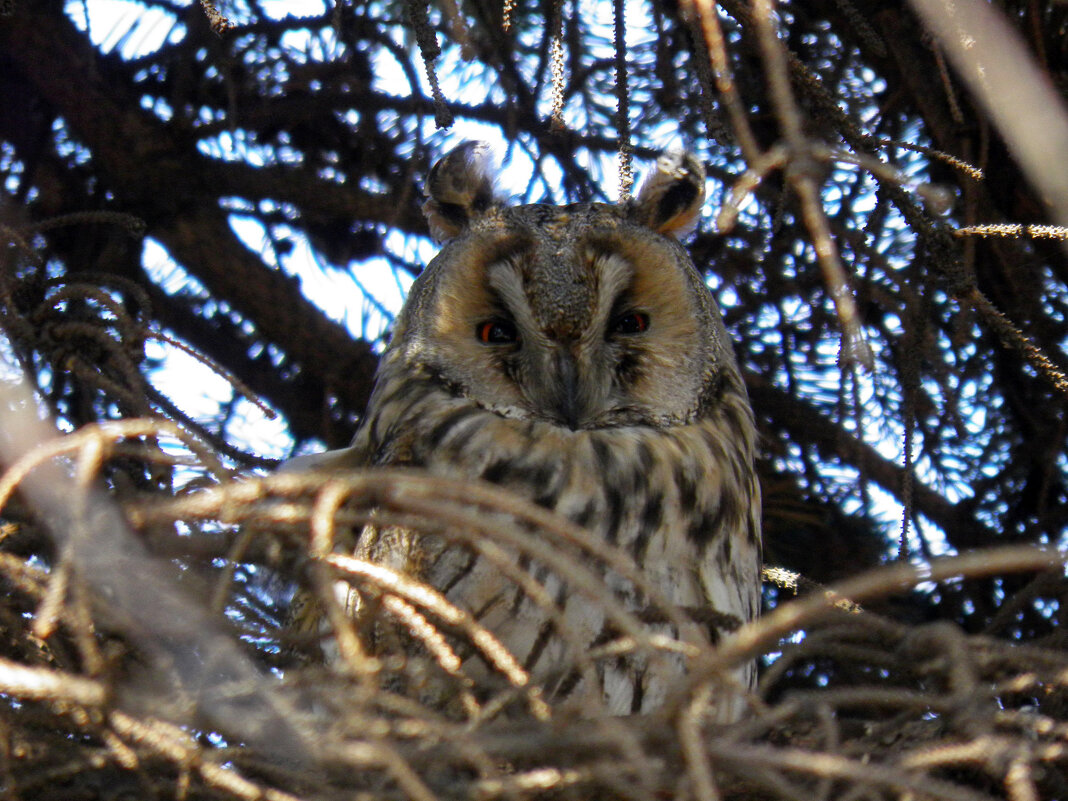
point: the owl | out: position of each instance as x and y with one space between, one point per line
573 356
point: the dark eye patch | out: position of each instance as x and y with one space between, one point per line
630 322
497 331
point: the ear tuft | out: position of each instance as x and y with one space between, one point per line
671 196
459 189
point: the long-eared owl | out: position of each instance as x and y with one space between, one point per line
573 355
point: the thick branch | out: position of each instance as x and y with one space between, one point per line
303 399
147 169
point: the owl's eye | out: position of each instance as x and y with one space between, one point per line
634 322
497 332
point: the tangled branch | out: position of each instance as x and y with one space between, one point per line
850 699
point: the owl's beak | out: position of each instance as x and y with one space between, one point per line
569 403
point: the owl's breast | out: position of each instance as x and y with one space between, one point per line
681 502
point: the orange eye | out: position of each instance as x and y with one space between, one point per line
497 332
634 322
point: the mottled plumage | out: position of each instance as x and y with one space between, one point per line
573 355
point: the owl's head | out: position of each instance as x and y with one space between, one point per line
587 316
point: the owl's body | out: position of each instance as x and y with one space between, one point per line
574 356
